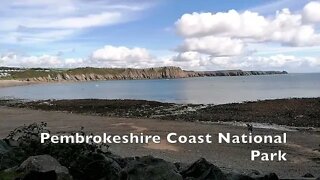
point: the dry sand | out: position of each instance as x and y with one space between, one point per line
300 148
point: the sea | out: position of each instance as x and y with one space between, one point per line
200 90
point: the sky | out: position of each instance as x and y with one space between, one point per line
194 35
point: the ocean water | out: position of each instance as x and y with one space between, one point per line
206 90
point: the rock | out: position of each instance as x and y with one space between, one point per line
180 166
254 173
148 167
8 158
96 166
236 176
308 175
271 176
4 147
43 164
34 175
203 170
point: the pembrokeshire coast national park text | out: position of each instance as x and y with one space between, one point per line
173 138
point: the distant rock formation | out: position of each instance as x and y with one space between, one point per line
93 74
236 73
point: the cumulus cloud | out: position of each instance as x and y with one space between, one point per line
223 40
311 12
121 53
120 56
226 33
229 23
216 46
187 56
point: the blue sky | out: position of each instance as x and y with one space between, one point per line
198 35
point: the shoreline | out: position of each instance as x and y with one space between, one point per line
294 114
13 83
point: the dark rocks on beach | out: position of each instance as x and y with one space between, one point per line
96 166
236 176
308 175
271 176
86 162
6 158
138 168
4 147
203 170
43 165
34 175
149 167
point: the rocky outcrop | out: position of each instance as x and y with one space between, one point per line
94 74
237 176
44 165
202 169
149 167
236 73
95 164
137 168
4 147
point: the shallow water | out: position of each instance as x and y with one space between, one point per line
207 90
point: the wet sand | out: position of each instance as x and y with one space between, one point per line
302 156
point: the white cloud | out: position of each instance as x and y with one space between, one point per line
216 46
43 36
281 62
187 56
121 53
108 56
124 57
44 61
231 23
285 27
311 12
27 19
230 40
92 20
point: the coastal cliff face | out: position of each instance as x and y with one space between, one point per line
115 74
93 74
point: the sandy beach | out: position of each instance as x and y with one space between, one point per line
10 83
301 147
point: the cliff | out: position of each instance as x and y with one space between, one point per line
236 73
91 74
